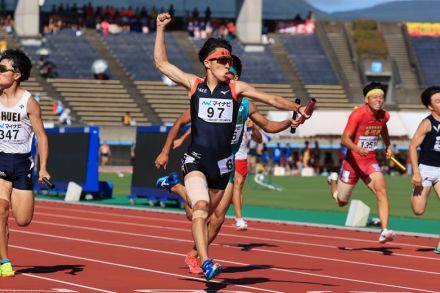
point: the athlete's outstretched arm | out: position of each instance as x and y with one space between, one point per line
162 159
266 124
161 56
246 90
34 111
417 139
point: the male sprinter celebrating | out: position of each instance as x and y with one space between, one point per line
361 136
214 103
21 116
170 182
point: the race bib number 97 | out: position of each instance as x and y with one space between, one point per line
216 110
368 142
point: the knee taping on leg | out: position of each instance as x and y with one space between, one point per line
200 214
197 189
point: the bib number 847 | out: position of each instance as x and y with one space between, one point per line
9 134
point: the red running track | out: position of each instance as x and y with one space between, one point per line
86 248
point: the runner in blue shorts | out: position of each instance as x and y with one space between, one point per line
20 118
426 166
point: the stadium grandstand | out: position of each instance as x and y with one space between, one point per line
96 60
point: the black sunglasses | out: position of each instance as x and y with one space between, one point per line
3 69
222 60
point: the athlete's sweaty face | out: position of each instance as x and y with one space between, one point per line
220 67
435 103
375 101
8 74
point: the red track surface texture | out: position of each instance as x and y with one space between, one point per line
81 248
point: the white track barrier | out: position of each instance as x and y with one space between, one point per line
73 192
357 214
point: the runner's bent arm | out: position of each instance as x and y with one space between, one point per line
162 158
256 133
34 112
386 141
347 140
417 139
179 141
161 56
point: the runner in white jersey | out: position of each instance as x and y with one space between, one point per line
20 118
241 172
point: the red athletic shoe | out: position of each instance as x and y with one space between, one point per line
193 264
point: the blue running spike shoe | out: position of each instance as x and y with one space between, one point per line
168 181
211 269
437 250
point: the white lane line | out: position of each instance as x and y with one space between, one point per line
313 235
190 241
135 268
174 212
227 283
63 282
222 234
54 290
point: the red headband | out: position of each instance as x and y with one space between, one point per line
219 54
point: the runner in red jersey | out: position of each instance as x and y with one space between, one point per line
365 126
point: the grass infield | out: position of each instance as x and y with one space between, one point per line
311 194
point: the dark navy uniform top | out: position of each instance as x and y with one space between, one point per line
213 118
430 147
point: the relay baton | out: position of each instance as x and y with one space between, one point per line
48 183
308 110
295 115
395 161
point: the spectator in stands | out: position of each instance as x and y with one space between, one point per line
361 136
22 115
207 13
277 152
231 30
306 155
47 68
65 118
105 154
426 165
329 164
289 156
127 119
105 27
57 107
132 153
316 158
101 76
195 13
